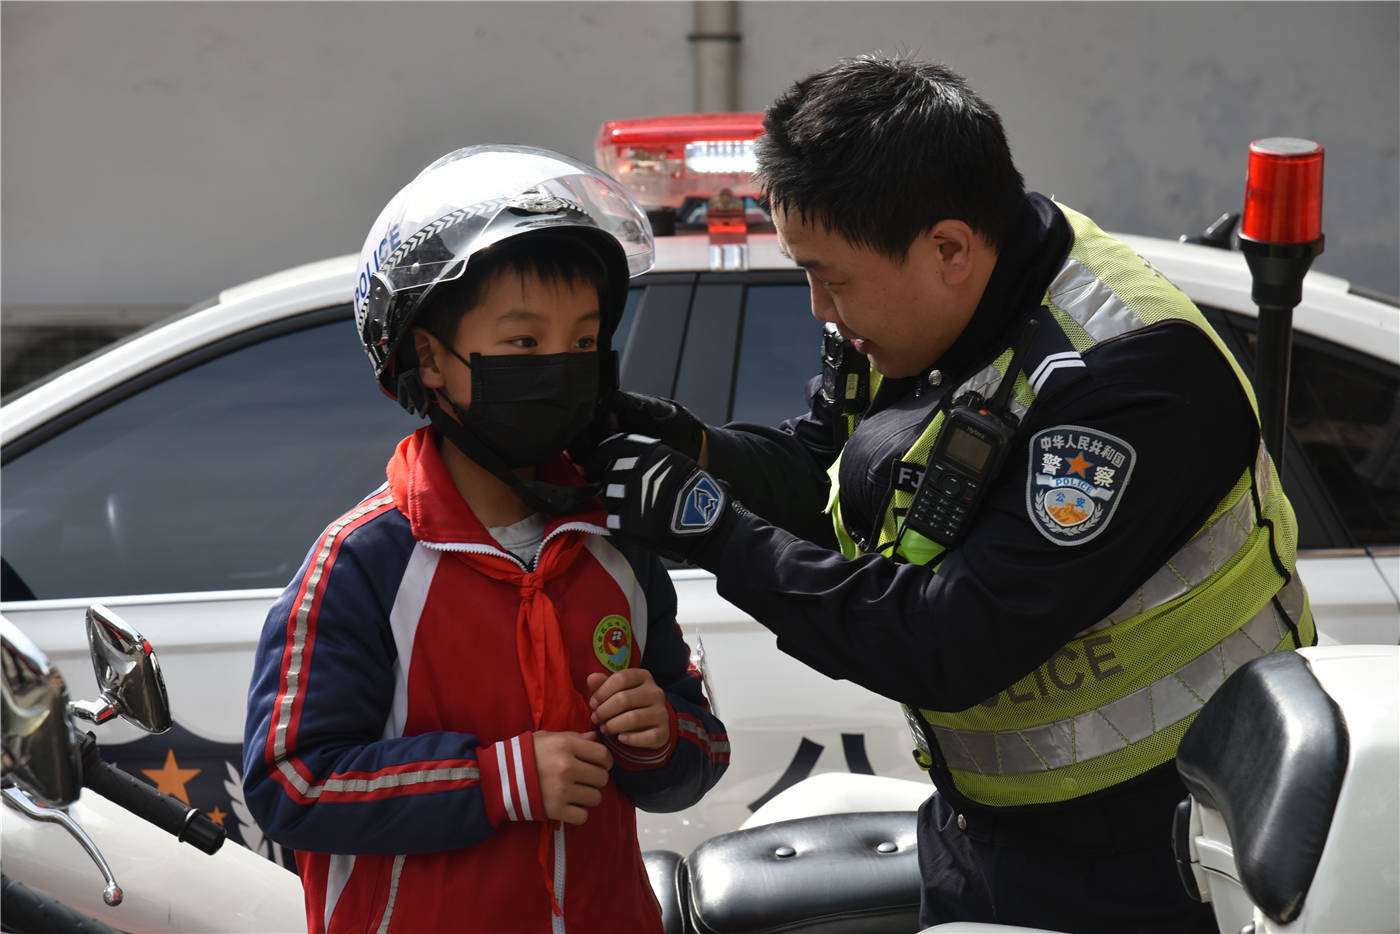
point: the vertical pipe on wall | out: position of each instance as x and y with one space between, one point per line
716 42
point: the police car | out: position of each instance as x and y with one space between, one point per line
180 475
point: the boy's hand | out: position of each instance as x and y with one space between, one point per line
572 767
629 706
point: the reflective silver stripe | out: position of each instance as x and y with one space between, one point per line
402 780
1208 551
283 715
984 382
1148 710
393 893
696 730
1263 475
1091 303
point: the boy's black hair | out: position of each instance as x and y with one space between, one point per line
552 256
880 149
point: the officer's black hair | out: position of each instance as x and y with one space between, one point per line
880 149
551 255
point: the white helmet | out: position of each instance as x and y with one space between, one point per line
465 202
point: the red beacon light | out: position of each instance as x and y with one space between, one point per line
665 160
1281 227
678 164
1280 235
1283 191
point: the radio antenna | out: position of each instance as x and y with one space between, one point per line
1008 382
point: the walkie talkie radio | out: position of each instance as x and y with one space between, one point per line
966 457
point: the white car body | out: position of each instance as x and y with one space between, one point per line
769 702
158 875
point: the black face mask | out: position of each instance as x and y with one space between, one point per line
526 408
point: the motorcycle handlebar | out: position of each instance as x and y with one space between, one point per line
187 824
28 910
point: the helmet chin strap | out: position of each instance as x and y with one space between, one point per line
544 497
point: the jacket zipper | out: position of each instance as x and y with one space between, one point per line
477 549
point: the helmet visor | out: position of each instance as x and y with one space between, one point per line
457 208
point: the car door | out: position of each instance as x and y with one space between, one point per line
185 499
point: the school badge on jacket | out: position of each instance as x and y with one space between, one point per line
1076 478
612 642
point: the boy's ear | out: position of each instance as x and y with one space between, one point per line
426 346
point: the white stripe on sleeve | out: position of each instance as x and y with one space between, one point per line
521 786
504 770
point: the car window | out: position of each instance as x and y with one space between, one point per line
624 324
219 477
1342 461
1344 411
779 352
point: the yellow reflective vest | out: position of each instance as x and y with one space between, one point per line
1114 701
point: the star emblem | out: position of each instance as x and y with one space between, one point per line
170 778
1078 464
217 815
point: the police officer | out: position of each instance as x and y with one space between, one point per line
1046 522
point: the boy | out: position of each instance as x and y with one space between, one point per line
462 695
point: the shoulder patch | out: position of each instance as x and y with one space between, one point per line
1076 478
699 505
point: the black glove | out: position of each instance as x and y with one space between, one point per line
663 419
658 495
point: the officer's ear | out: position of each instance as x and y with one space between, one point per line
958 247
429 353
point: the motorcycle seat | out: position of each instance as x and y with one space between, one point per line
663 870
832 873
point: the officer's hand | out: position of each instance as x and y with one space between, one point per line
572 768
657 494
656 417
629 706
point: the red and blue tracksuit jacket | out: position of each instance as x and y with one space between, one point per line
389 729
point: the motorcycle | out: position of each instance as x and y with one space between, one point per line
1292 768
131 831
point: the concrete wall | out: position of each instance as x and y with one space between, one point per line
154 153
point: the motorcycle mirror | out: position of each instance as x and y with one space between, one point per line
40 754
127 673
